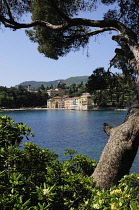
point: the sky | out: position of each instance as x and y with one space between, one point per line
20 60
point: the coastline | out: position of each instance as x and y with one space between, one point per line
23 109
36 109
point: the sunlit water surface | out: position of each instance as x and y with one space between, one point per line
82 131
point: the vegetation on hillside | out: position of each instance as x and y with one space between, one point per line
21 97
35 85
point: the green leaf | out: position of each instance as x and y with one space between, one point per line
133 206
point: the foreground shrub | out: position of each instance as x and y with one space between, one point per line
125 196
11 133
33 178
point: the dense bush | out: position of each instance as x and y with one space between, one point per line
32 178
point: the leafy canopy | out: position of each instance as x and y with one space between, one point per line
98 80
56 43
55 28
17 8
125 11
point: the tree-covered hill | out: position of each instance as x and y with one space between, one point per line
76 80
68 81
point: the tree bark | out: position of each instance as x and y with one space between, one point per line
118 154
122 146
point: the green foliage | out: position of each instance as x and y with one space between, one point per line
34 179
17 8
76 80
75 90
98 80
122 197
79 163
56 43
11 133
16 98
126 11
111 89
70 152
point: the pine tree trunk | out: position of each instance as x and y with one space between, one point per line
119 153
122 146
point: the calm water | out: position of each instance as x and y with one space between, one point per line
82 131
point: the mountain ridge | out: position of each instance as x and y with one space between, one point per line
68 81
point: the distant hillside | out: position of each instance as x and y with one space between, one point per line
76 80
69 81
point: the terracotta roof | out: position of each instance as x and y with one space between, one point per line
57 97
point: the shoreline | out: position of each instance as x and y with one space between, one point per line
36 109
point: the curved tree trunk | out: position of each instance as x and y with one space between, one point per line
119 153
122 146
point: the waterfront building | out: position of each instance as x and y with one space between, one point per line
67 103
75 103
55 102
58 91
83 102
86 102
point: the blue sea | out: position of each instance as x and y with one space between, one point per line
81 131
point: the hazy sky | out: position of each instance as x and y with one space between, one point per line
20 60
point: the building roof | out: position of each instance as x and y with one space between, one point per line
57 97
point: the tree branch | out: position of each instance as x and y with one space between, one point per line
109 24
15 25
9 11
103 25
107 128
92 33
100 30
